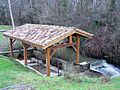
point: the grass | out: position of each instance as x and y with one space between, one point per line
12 73
1 36
4 27
4 45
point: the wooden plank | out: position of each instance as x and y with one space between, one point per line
48 61
78 49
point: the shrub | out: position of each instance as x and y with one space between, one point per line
70 73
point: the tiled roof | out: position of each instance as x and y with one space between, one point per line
43 35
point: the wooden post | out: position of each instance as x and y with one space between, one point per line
25 53
70 39
48 61
77 49
11 47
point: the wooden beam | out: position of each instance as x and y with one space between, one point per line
11 47
25 46
70 39
52 52
63 45
78 49
48 61
74 48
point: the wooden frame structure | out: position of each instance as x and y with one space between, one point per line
51 47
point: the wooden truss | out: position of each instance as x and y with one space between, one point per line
49 52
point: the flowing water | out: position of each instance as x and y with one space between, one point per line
106 69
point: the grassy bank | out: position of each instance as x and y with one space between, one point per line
1 37
11 73
5 27
3 40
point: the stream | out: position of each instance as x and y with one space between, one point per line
106 69
97 65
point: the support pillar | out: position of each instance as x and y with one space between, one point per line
77 49
70 39
25 46
48 61
11 47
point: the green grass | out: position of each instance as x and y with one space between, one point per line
5 27
1 36
11 73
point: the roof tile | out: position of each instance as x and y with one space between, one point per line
43 35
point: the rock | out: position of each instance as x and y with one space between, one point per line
81 66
